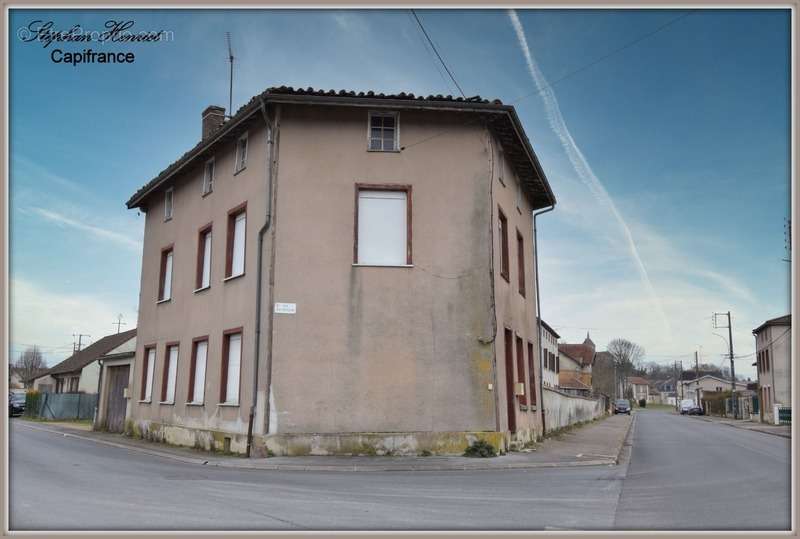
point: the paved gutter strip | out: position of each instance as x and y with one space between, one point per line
246 464
622 441
735 426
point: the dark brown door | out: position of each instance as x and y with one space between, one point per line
510 372
115 398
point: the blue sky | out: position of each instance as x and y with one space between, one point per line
686 132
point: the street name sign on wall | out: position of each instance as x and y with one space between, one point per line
285 308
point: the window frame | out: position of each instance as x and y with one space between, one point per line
230 239
166 252
192 367
383 114
521 263
223 378
502 225
202 232
208 186
408 189
146 367
237 156
169 194
165 372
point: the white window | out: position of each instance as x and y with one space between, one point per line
165 285
237 222
168 391
383 228
200 356
148 384
241 153
204 271
383 131
234 360
168 202
208 177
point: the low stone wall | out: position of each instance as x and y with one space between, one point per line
562 410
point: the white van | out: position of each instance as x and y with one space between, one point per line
686 405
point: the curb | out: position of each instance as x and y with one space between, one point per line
624 438
245 465
788 436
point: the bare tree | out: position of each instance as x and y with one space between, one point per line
627 358
29 362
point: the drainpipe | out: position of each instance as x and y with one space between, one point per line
259 271
99 392
539 312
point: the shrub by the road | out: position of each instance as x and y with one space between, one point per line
480 449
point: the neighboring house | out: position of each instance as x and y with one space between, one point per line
15 378
42 382
80 372
577 370
695 389
116 379
773 364
379 323
640 388
550 358
664 391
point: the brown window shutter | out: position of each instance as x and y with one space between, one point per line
223 388
521 369
521 263
531 368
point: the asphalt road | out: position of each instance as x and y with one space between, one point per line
677 477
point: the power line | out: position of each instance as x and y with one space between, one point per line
430 54
570 74
437 54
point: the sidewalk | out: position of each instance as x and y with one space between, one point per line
776 430
596 444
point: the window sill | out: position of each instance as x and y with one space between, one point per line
207 193
519 210
166 300
383 151
201 289
383 265
505 277
500 179
232 277
195 404
167 403
167 219
146 401
229 404
235 172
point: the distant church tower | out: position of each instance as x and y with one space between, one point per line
588 341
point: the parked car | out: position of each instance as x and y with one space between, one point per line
16 404
686 405
622 406
696 410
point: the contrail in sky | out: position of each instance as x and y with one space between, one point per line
579 161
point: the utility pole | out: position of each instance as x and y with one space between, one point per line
79 336
696 378
681 378
119 322
734 402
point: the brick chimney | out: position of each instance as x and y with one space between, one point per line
213 117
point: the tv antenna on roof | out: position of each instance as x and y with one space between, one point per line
230 59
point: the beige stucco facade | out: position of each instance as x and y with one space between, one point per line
773 365
386 359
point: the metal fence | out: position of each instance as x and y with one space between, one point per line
65 406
